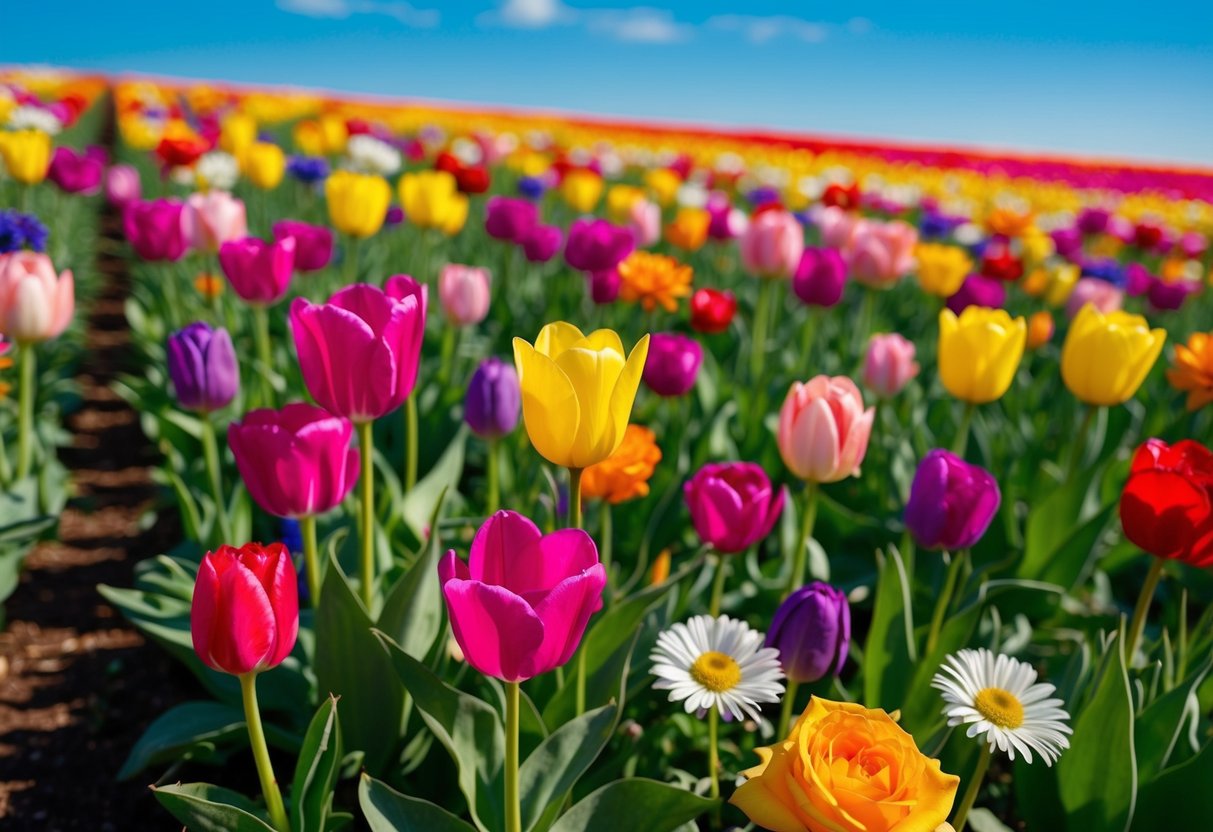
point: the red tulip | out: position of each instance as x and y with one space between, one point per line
1167 504
712 310
245 614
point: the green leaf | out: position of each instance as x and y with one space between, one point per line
1061 532
412 613
1160 726
1179 798
922 706
1097 776
442 478
351 664
469 728
182 730
553 768
206 808
889 653
387 810
635 803
316 770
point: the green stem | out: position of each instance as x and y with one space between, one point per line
970 796
261 753
26 361
575 498
944 600
513 806
808 520
785 714
1143 607
962 432
311 557
762 322
366 444
450 341
714 757
494 477
6 473
210 452
606 550
1080 443
410 442
718 586
261 320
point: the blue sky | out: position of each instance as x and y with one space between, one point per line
1105 79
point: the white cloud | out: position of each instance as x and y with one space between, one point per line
758 29
639 25
528 14
401 11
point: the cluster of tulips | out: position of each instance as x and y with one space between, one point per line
816 523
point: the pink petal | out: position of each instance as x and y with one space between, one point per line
498 632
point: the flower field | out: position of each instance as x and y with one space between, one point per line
507 472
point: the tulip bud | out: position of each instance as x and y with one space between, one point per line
733 505
244 616
313 243
812 631
712 310
212 219
824 429
673 364
772 244
541 243
76 173
259 272
464 293
510 219
596 245
156 229
36 304
820 277
1040 329
951 502
978 290
122 185
889 364
203 367
494 399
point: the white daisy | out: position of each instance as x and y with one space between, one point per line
999 696
217 170
717 663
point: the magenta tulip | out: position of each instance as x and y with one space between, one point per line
259 272
297 461
155 229
244 617
733 505
673 364
313 243
122 185
520 605
359 351
76 173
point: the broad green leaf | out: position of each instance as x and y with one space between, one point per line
889 653
412 613
316 770
554 767
635 803
206 808
922 706
1062 530
387 810
469 729
351 664
1097 775
184 729
443 478
1179 798
1160 726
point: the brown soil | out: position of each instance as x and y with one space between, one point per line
78 685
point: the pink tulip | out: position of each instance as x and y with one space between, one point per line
520 605
359 351
244 617
212 219
259 272
772 243
155 229
838 227
122 185
881 253
464 293
823 429
296 461
1099 293
313 243
644 218
77 173
889 364
35 303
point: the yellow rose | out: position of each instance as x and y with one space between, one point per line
577 392
846 768
1106 357
979 352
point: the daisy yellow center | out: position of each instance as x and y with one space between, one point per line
999 707
716 671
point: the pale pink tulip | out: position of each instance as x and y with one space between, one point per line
35 302
212 219
464 293
889 364
772 244
823 429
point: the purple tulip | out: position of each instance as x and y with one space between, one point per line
1067 242
978 290
597 245
673 364
203 367
76 173
1170 296
951 502
541 243
313 243
1092 220
493 399
510 219
812 632
820 277
733 505
154 229
604 286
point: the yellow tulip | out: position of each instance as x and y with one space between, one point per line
264 164
357 202
140 133
431 199
308 138
238 133
620 199
581 189
1061 282
1106 357
577 392
664 185
27 155
979 352
1037 246
942 268
333 133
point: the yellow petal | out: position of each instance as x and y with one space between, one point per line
592 374
557 337
626 386
549 405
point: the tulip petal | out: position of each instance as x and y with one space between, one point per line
245 627
548 560
626 385
549 404
565 611
498 632
498 544
592 376
557 337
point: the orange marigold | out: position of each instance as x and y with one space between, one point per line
1192 370
624 475
654 279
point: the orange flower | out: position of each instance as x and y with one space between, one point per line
208 285
689 230
1040 329
660 571
624 475
654 279
5 363
1192 371
1008 222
